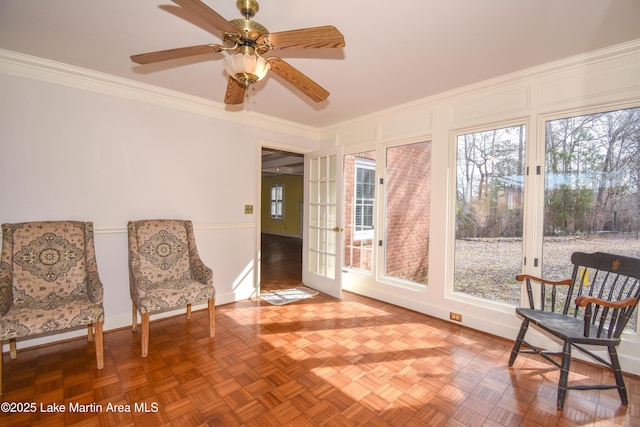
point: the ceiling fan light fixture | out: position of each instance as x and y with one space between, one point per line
247 67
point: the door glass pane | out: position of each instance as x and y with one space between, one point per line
359 200
331 267
313 216
323 217
332 166
313 261
489 205
323 241
592 189
407 193
332 192
322 264
323 192
332 214
313 170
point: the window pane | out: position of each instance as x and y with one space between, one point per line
489 203
359 198
408 192
592 189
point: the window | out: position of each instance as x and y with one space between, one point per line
489 209
277 201
407 188
592 189
364 198
359 201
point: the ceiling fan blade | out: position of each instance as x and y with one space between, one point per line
181 52
207 14
310 88
235 92
316 37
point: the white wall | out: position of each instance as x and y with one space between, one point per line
77 145
606 79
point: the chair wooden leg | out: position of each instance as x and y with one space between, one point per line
188 311
212 317
145 334
99 345
90 332
134 316
13 349
564 374
518 343
617 372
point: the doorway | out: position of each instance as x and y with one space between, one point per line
282 193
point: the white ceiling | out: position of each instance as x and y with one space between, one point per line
396 51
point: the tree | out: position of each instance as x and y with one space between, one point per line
592 180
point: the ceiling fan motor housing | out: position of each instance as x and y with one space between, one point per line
248 8
249 30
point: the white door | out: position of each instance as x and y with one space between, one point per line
322 250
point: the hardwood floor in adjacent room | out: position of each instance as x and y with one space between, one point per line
317 362
281 263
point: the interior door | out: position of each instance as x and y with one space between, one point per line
322 250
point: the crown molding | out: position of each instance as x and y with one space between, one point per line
31 67
18 64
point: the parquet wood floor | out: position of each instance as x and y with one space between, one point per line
317 362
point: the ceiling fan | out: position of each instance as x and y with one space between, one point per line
247 41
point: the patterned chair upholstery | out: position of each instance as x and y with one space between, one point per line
165 271
49 282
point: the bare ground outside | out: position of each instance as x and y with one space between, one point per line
486 267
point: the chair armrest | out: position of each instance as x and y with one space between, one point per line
201 272
555 283
617 323
137 281
521 277
6 298
584 300
95 289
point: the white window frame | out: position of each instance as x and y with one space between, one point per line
530 161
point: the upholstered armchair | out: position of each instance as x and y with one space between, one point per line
49 282
165 271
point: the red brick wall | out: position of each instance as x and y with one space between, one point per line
408 190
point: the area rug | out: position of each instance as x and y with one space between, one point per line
285 296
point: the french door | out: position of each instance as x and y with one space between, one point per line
323 228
